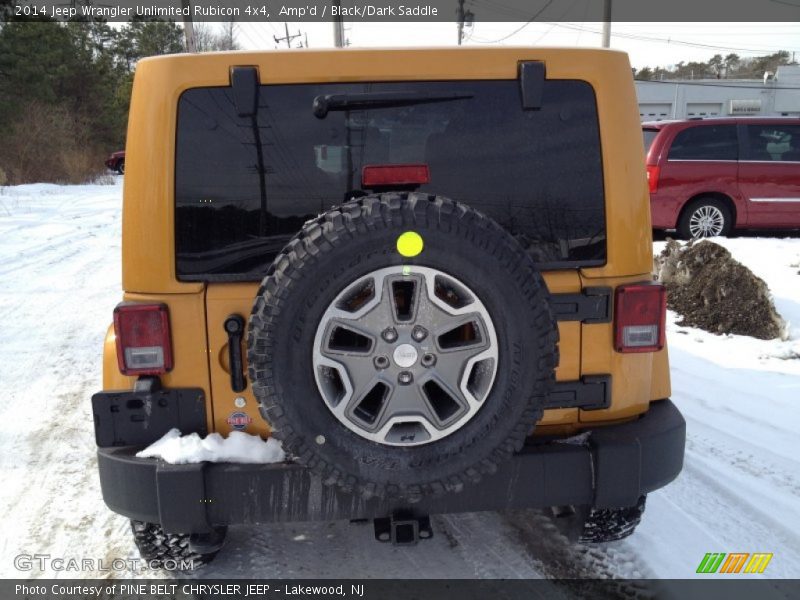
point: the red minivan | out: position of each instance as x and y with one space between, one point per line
709 176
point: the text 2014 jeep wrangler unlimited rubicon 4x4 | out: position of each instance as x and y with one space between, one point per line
422 270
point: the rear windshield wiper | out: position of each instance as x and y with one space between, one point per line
323 104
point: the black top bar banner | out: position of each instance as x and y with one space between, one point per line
361 11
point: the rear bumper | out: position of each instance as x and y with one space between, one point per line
612 467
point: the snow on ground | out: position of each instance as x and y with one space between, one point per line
59 282
60 279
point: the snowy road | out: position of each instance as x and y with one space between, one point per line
59 281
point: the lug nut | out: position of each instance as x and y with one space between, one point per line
381 362
428 360
389 334
405 378
419 333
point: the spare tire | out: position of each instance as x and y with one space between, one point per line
402 345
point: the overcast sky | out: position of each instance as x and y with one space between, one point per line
648 44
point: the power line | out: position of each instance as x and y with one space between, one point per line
723 85
511 11
502 8
249 39
569 8
287 38
259 31
524 25
634 36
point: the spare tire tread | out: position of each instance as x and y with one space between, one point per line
374 213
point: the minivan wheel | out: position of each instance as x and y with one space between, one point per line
705 217
121 167
402 345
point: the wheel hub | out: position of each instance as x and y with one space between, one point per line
405 355
706 221
367 353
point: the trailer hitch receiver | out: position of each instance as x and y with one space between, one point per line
403 529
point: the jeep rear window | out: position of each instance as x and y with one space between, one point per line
536 172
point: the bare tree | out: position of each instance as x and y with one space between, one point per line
209 39
228 36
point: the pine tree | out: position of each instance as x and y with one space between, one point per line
65 91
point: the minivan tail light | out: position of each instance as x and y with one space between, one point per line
652 177
383 175
640 316
143 338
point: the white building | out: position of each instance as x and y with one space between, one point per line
775 95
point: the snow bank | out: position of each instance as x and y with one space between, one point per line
715 292
776 261
238 447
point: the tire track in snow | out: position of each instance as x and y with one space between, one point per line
469 545
558 558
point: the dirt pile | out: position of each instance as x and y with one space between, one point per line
712 291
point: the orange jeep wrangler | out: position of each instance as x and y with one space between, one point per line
426 272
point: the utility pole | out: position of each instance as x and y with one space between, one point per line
606 23
288 39
188 26
460 19
338 24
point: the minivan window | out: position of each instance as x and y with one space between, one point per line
776 142
649 135
245 185
706 142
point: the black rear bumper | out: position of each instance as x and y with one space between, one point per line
612 467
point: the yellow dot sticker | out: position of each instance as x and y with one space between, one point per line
410 244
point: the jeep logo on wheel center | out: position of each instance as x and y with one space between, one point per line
405 355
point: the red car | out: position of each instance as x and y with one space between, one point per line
116 162
709 176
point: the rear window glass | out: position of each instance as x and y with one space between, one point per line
649 135
706 142
246 185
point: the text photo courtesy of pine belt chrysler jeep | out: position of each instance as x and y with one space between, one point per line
710 176
421 270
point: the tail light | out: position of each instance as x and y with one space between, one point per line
652 177
143 338
640 316
383 175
